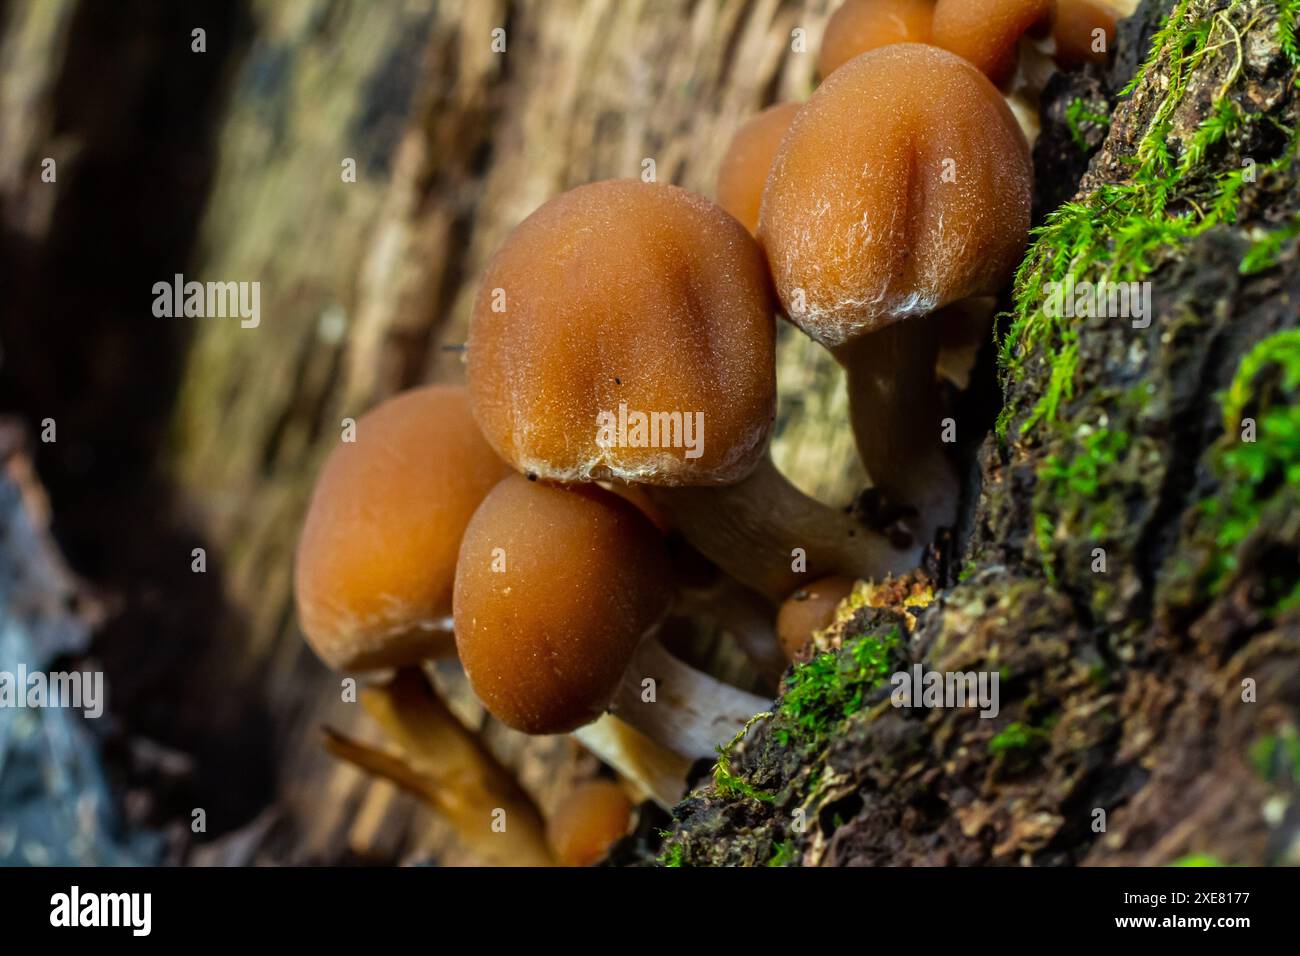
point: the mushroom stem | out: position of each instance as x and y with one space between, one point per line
751 530
744 614
653 772
894 401
446 765
689 712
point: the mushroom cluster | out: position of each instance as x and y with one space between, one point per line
539 523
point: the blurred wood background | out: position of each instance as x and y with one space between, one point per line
228 165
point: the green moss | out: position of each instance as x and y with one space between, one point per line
728 784
1076 489
831 687
1122 232
1044 530
1281 350
1079 113
1276 757
1018 736
782 854
819 696
1082 474
1288 17
672 855
1264 252
1252 475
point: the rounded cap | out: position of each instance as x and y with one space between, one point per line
884 204
862 25
587 823
808 610
377 555
1074 31
625 330
747 162
555 587
987 32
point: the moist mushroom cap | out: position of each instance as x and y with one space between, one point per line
987 32
588 821
377 554
808 610
1073 30
749 159
862 25
625 295
546 640
903 184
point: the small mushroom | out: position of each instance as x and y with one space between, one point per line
557 591
881 208
612 302
862 25
589 820
377 554
808 610
1076 27
624 332
987 33
747 161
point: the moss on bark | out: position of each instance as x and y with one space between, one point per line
1132 567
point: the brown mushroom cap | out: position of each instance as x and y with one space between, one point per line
1073 31
862 25
545 641
809 610
987 32
747 162
377 554
587 823
625 295
884 204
